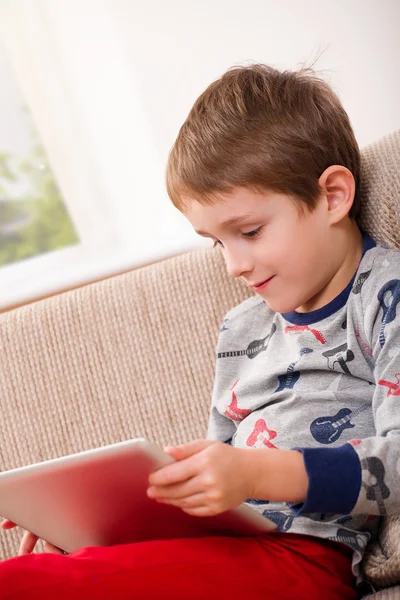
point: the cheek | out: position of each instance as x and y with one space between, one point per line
299 251
280 246
293 245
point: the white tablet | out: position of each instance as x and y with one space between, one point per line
98 498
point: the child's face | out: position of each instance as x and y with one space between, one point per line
292 250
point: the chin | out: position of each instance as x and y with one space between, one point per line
280 306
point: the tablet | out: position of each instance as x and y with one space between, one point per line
98 498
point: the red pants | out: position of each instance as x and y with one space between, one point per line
281 566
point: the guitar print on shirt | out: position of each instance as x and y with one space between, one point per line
223 326
255 502
356 540
289 380
261 436
300 328
376 488
281 520
367 349
253 349
361 279
233 411
389 298
327 430
394 388
340 355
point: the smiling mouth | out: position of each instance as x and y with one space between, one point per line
262 283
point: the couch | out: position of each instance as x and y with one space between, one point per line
133 356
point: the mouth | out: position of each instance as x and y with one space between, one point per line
257 287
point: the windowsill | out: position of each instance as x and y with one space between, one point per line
57 272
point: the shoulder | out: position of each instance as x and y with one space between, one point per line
246 311
378 267
376 290
248 325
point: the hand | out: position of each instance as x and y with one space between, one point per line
29 541
208 478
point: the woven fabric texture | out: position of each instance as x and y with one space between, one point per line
382 559
392 593
133 355
380 189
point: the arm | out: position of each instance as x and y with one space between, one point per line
379 456
362 477
210 477
278 475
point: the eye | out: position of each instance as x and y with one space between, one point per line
253 234
249 234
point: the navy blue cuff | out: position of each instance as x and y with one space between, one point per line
334 480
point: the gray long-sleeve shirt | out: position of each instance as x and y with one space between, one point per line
326 383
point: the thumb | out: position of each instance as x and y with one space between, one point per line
185 450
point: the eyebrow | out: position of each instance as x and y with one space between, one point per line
230 222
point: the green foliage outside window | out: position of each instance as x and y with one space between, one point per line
37 222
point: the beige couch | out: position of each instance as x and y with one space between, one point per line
134 356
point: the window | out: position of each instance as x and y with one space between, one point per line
88 136
33 215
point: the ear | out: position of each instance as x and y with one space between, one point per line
338 187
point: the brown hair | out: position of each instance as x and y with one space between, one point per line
263 129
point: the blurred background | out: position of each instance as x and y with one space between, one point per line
93 93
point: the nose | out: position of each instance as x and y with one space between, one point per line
238 261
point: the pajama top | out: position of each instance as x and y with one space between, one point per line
326 383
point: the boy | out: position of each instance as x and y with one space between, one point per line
304 422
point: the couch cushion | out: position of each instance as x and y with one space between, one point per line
380 189
382 559
388 594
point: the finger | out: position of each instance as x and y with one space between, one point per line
199 508
28 543
50 548
176 490
174 473
186 450
8 524
195 501
202 511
